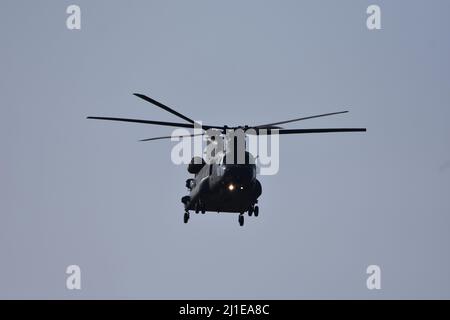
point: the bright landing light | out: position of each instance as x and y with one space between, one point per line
231 187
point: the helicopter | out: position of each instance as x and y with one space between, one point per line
220 182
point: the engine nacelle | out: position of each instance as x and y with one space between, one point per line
196 165
257 189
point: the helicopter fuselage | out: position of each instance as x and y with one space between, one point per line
223 188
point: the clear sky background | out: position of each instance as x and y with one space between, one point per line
76 191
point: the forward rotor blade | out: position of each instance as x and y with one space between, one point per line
170 137
268 127
164 107
160 123
284 131
300 119
302 131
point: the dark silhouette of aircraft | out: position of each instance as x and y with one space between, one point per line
225 184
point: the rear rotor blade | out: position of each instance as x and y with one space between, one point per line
170 137
160 123
300 119
164 107
302 131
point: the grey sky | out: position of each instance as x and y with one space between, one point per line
83 192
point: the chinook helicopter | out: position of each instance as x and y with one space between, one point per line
221 183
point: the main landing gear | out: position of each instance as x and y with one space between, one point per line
256 211
253 210
200 207
241 219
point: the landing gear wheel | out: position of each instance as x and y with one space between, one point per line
256 211
186 217
200 207
241 220
250 211
197 208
